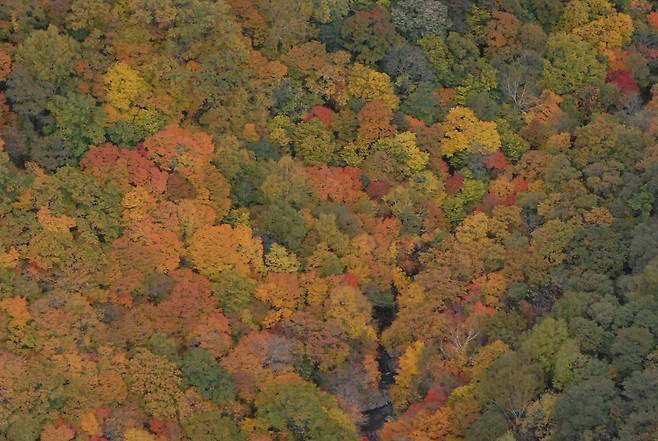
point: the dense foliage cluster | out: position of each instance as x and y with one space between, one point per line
328 220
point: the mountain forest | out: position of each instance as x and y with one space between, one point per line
328 220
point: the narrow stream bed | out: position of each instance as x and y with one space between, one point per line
376 417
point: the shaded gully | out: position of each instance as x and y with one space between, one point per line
375 417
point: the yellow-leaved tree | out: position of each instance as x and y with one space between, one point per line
127 96
597 22
404 150
401 391
369 85
465 132
220 248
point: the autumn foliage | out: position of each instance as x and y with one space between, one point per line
328 220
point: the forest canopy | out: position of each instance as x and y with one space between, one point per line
328 220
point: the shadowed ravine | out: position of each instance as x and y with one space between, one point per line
376 416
